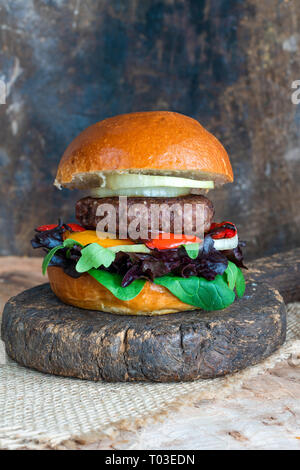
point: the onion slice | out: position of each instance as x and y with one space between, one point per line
158 191
140 248
226 243
220 245
120 181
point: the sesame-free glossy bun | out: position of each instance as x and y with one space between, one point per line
85 292
155 142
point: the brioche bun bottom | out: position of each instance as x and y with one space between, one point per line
85 292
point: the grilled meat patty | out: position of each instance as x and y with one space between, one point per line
183 209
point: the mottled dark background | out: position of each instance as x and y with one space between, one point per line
228 63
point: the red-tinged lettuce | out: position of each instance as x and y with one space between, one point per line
50 238
132 266
207 264
64 257
236 255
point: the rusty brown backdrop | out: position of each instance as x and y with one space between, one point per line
228 63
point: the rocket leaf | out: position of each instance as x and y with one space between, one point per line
94 256
68 243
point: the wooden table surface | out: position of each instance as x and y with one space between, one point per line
264 414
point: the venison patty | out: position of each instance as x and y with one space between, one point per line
183 207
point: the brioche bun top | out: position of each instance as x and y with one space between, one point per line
153 142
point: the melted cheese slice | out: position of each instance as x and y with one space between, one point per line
91 236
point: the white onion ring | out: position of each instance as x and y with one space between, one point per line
158 191
226 243
120 181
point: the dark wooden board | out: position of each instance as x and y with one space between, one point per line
282 271
42 333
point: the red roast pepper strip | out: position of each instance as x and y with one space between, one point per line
170 241
73 227
222 230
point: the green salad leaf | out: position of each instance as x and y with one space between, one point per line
94 256
113 281
240 285
235 279
68 243
231 274
49 257
194 291
192 249
199 292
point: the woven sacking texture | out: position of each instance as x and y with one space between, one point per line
43 411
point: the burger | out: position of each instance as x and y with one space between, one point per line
145 241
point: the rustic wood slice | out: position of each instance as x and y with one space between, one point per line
282 271
41 332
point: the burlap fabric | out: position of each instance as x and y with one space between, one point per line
43 411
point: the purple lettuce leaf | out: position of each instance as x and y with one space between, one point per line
132 266
208 264
66 259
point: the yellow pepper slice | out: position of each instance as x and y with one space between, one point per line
90 236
